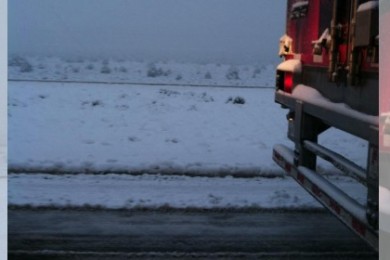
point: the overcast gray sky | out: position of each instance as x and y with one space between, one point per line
232 31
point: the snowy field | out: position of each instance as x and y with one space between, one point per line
122 71
78 127
90 127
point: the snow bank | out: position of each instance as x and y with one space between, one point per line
154 191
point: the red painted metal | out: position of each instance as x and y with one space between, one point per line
306 29
343 54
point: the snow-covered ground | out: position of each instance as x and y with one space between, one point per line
156 191
90 127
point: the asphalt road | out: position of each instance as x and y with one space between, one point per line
101 234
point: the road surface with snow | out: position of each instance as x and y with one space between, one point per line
97 234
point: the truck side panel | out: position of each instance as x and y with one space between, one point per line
340 70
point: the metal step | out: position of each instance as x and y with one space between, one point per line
348 210
339 161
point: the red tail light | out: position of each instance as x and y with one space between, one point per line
288 82
284 81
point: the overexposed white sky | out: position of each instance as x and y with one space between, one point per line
226 31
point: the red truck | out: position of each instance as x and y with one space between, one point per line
329 78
